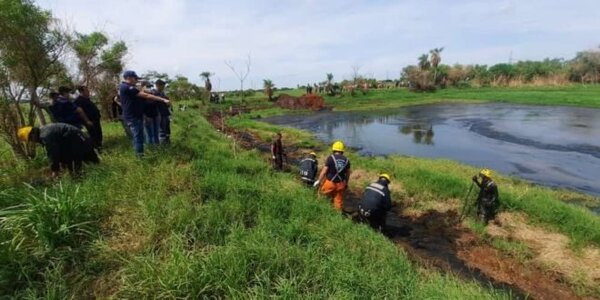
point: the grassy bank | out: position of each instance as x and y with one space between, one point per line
198 219
436 180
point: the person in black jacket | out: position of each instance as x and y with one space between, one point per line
65 144
164 110
376 202
92 112
65 111
309 169
487 200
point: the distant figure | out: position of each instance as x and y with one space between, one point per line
164 110
66 145
277 152
152 120
65 111
487 200
92 112
132 102
336 175
308 169
376 202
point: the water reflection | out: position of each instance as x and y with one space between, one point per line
422 134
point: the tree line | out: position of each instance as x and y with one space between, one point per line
429 74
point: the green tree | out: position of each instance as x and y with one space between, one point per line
268 86
424 63
32 45
435 59
99 65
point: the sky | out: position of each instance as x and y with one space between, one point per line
297 42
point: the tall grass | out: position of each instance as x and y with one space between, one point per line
198 219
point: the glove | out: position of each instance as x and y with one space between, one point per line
475 178
273 157
316 184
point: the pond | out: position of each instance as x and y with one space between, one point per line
552 146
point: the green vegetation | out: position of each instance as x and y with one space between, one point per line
430 180
199 218
573 95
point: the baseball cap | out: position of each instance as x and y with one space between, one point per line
160 81
130 73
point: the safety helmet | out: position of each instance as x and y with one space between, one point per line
23 133
312 153
486 172
338 146
386 176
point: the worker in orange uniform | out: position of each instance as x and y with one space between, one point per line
335 175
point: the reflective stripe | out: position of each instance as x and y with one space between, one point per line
307 179
309 159
376 190
377 186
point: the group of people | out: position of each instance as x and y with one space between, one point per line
376 199
68 147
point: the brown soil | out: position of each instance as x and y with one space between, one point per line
436 240
313 102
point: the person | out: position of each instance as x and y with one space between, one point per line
117 102
65 111
487 200
335 175
376 202
132 103
65 145
151 120
93 113
164 110
277 152
308 169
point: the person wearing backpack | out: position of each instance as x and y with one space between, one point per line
308 169
335 175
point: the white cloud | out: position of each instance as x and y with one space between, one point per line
299 41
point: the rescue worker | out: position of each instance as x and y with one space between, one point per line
93 113
65 111
308 169
376 202
277 152
164 110
335 175
487 200
65 145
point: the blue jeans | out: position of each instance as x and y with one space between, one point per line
136 126
152 125
164 133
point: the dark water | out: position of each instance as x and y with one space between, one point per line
553 146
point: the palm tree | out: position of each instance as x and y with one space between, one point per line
424 62
435 59
268 86
207 85
329 86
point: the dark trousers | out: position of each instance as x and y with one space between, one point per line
77 150
164 131
95 133
152 126
486 211
375 218
278 162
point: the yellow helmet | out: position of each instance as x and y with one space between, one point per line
23 133
386 176
486 172
338 146
313 154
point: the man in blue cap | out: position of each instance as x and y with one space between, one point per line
132 103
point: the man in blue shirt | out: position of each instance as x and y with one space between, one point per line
164 110
132 103
65 111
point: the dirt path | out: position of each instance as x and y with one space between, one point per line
435 240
